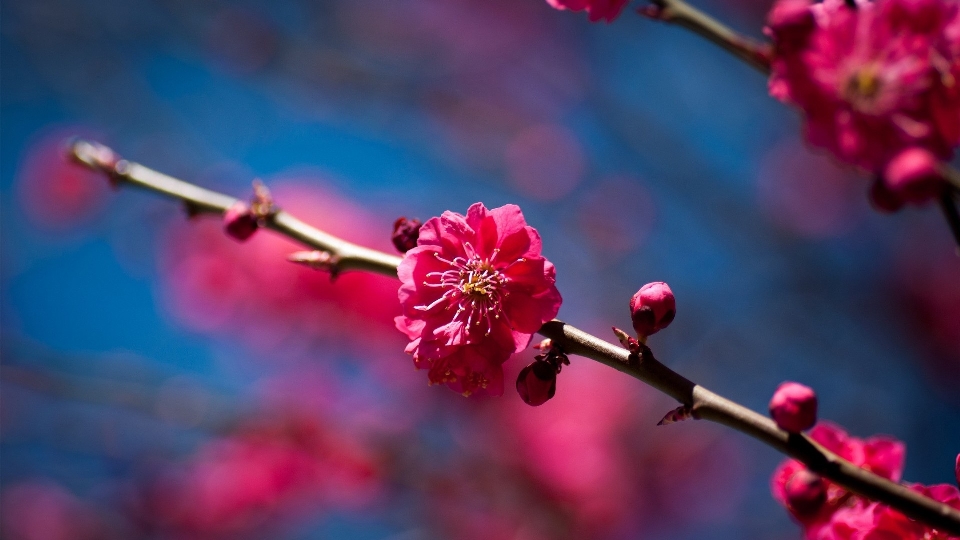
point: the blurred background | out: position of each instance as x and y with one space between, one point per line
160 380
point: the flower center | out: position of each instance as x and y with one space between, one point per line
474 286
863 87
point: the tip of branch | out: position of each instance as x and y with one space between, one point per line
92 154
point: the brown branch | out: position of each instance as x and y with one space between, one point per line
678 12
702 402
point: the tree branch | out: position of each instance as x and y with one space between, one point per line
678 12
702 402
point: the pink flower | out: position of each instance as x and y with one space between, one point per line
794 407
881 455
474 291
864 520
597 10
871 80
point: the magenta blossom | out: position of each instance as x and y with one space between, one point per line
474 291
881 455
597 10
866 520
873 79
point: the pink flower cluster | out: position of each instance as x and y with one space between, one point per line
873 78
828 512
474 291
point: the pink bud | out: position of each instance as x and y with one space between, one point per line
239 222
653 308
537 383
805 492
406 232
914 176
957 470
794 407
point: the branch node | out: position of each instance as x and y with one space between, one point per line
318 260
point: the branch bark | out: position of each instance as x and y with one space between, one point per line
702 402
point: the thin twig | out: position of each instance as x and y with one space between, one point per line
948 203
702 402
678 12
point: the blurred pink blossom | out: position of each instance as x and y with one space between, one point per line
211 283
268 467
41 510
55 192
872 79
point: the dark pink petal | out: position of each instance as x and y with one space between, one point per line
885 457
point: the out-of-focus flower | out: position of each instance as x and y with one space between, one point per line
882 455
55 192
213 284
545 162
597 10
872 79
652 308
474 291
806 193
862 519
234 484
40 510
794 407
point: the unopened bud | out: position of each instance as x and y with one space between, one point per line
957 470
537 383
406 232
239 222
652 308
794 407
914 176
805 492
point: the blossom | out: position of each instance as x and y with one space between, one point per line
865 520
474 291
597 10
794 407
873 79
881 455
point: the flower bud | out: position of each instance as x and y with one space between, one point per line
239 222
406 232
652 308
805 492
794 407
957 470
914 176
537 383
